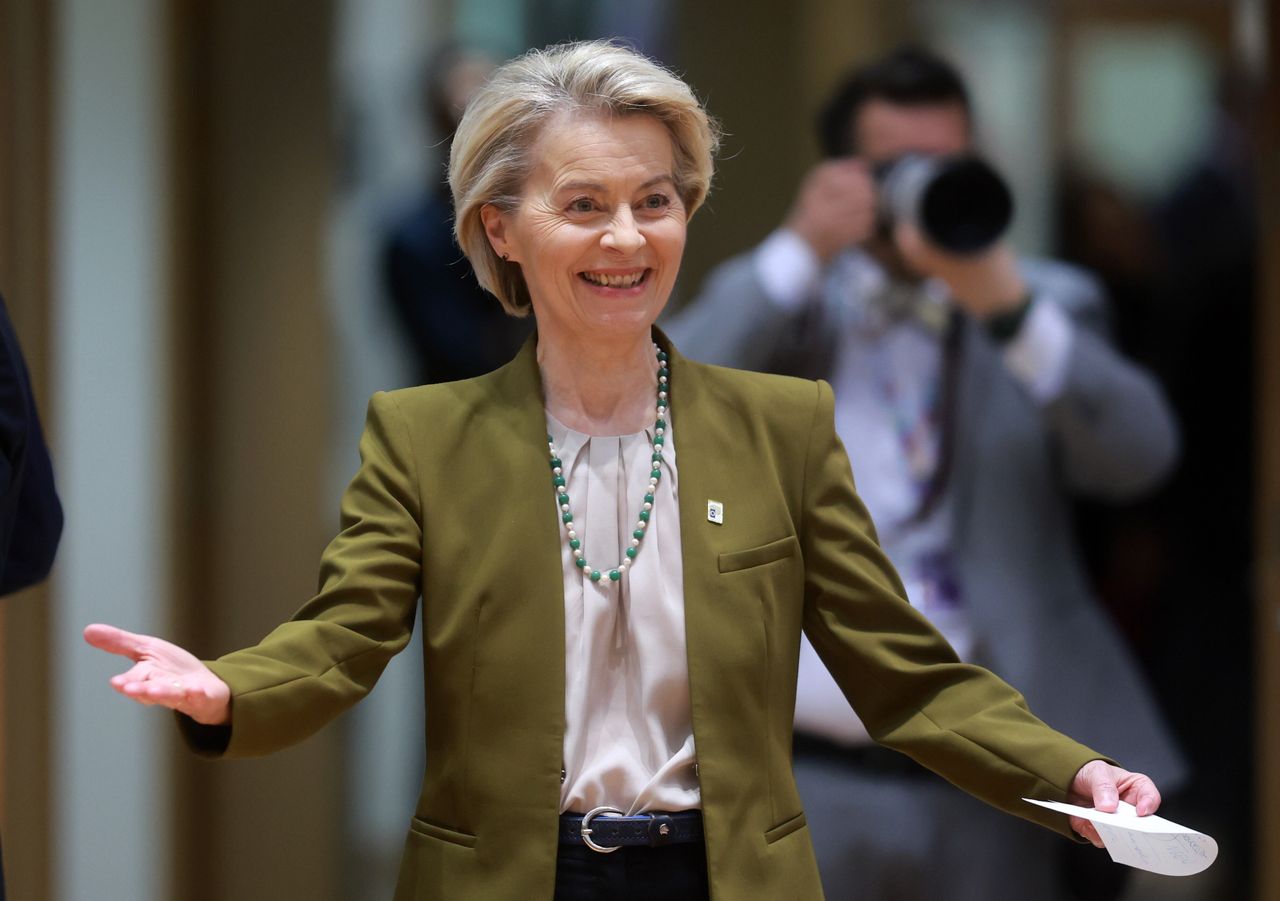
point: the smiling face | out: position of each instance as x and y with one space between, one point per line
600 228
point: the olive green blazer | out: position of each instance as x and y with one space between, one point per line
453 503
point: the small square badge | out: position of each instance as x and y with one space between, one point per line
715 512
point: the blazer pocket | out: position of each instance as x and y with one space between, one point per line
733 561
442 833
785 828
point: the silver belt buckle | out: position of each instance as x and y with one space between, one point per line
586 828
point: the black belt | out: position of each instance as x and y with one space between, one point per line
605 829
871 760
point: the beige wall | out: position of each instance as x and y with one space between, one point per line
255 171
25 111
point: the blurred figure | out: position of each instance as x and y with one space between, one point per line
976 394
30 515
456 329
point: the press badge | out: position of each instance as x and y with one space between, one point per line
715 512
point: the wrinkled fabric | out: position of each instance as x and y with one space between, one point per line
628 739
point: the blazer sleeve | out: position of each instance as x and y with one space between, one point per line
330 654
903 679
1114 430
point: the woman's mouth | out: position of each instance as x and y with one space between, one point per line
615 280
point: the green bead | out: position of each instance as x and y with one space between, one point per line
558 481
644 515
555 461
638 533
662 356
660 424
631 552
575 543
659 440
664 372
657 458
614 575
656 474
550 439
648 498
581 562
567 517
564 498
595 575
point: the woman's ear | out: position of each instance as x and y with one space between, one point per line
495 229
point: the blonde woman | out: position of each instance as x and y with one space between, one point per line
616 550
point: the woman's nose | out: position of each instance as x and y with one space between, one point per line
622 235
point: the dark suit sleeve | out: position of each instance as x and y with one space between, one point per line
30 513
903 679
38 523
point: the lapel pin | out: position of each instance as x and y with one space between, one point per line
715 512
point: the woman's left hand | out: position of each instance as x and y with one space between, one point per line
1103 786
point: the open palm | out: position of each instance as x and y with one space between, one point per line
164 674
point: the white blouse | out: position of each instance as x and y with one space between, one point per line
628 740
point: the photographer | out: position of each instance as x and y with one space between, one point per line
976 393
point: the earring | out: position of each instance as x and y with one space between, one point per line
505 257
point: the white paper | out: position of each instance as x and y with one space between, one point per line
1148 843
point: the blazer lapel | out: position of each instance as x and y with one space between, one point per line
524 619
710 647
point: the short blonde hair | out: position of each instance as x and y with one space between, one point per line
490 157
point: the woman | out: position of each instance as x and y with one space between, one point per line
610 627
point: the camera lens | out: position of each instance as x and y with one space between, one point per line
959 202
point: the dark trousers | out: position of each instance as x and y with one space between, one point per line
669 873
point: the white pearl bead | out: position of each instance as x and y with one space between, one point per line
572 534
564 508
577 553
635 542
648 506
558 471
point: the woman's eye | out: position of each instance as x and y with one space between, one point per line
582 205
657 202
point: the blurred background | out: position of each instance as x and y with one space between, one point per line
193 200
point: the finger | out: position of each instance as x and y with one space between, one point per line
908 237
1106 797
1086 830
170 693
851 165
1143 795
139 672
114 640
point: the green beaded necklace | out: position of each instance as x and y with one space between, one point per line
646 510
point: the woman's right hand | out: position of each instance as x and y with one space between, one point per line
164 674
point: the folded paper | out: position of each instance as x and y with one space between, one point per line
1148 843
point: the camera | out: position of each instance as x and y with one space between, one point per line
959 202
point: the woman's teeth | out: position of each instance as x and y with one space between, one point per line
614 281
